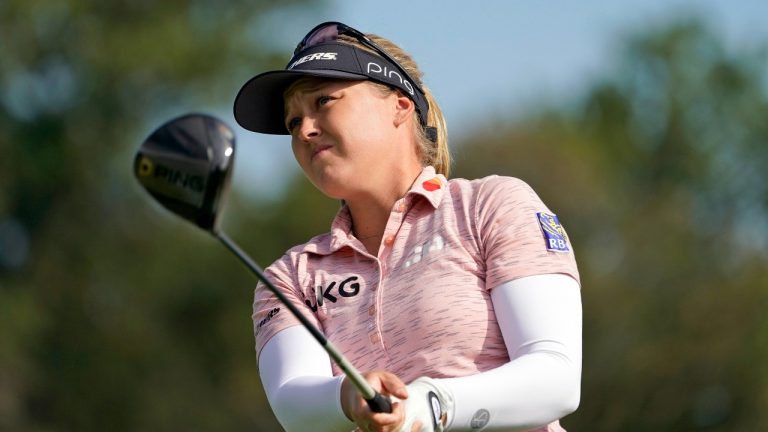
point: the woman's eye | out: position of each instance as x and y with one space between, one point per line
322 100
292 123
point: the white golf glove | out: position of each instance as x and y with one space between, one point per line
429 402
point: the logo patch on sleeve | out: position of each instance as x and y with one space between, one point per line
554 233
269 316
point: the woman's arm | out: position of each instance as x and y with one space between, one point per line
302 391
540 319
305 396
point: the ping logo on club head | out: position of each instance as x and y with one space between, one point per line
146 167
177 177
183 181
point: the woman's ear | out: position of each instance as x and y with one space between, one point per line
404 108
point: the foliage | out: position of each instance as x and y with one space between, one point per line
116 316
112 317
659 177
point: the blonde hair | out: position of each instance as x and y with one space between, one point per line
432 153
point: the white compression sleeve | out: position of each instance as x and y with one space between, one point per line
540 319
297 378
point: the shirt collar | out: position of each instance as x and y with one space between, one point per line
428 184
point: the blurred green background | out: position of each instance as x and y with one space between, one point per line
114 315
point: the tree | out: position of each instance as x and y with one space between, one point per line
658 176
110 317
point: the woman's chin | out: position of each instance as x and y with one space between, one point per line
331 189
332 183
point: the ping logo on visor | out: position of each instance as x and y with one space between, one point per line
330 32
554 233
339 60
330 51
381 67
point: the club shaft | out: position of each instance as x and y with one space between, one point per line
368 393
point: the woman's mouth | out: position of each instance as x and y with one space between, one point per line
319 149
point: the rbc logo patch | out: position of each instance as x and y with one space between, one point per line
554 233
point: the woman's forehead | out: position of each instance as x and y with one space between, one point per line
307 85
311 85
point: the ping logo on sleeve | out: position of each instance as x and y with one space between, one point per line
554 233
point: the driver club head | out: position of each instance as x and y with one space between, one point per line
186 165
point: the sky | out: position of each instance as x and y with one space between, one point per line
484 58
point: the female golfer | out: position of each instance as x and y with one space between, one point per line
459 299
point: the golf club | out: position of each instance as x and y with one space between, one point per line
186 165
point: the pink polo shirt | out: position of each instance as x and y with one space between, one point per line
422 306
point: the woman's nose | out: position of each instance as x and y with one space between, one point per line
308 129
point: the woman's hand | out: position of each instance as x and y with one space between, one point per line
429 407
357 410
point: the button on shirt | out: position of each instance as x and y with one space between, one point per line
421 306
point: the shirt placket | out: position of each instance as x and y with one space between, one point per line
371 319
389 239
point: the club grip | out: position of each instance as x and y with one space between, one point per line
380 403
